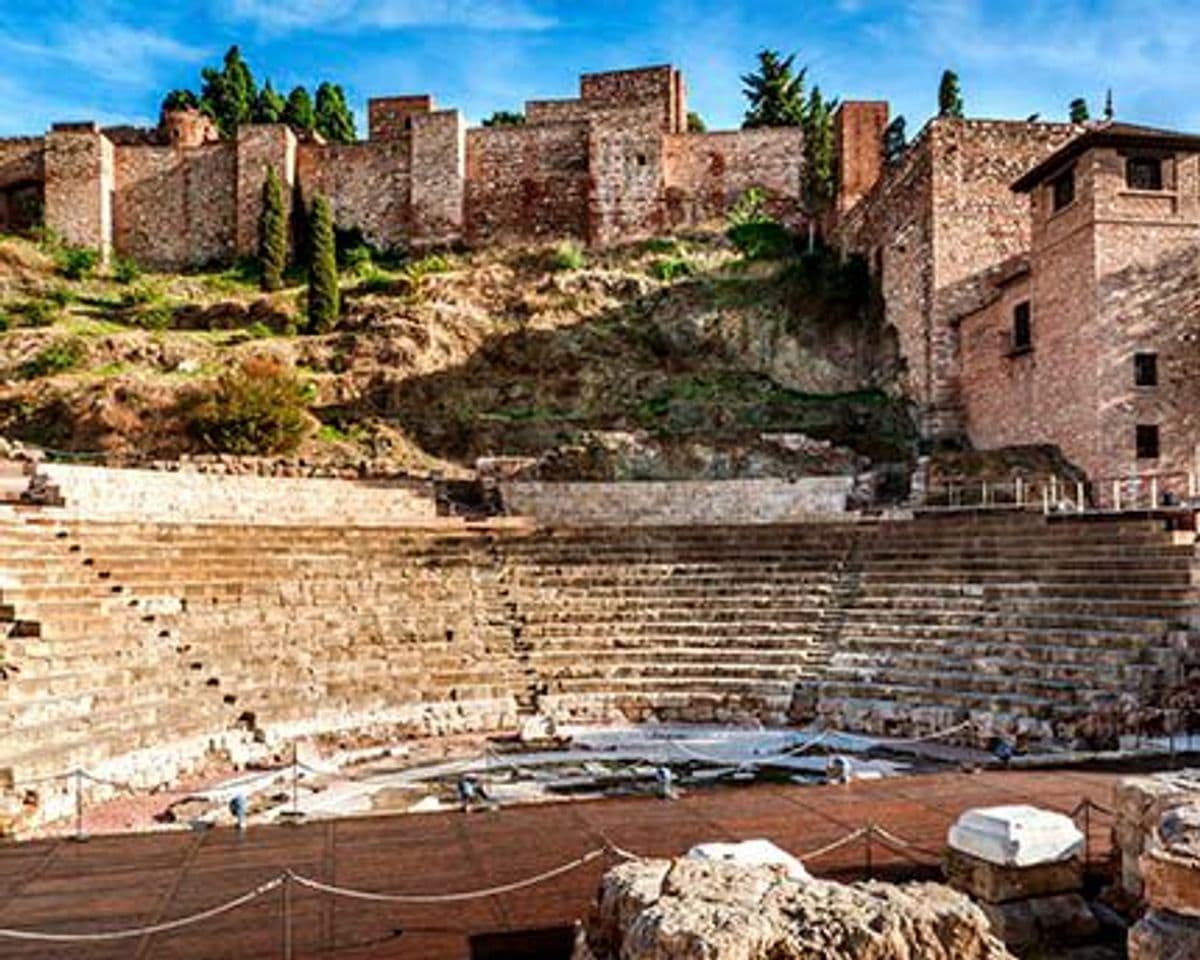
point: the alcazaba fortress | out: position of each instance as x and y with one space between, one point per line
1027 268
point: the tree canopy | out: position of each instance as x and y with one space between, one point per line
1079 111
895 141
230 96
819 162
775 92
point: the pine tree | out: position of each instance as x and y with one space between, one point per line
895 142
775 93
269 106
819 176
323 296
298 111
229 94
950 101
333 117
272 234
695 123
1079 111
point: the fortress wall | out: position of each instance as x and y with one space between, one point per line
261 147
79 165
21 160
721 502
368 184
527 183
626 160
99 493
707 172
660 87
390 118
438 168
539 112
175 208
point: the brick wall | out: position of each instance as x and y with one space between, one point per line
22 176
175 208
527 183
661 87
858 128
705 173
667 504
626 160
368 185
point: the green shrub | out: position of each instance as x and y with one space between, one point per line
272 234
670 269
156 317
60 296
6 322
125 270
39 313
358 260
76 263
258 331
660 245
568 255
138 294
258 409
324 298
762 241
374 280
57 357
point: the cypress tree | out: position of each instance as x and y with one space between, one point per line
333 117
895 142
950 101
272 234
323 296
298 111
775 93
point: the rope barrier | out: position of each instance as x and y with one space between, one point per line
259 891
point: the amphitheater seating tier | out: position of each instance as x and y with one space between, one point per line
120 639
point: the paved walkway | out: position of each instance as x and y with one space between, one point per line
126 881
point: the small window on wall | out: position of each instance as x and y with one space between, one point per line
1144 173
1062 189
1022 331
1147 442
1145 369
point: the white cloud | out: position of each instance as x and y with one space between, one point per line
111 52
355 15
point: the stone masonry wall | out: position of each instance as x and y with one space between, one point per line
260 147
21 160
527 183
706 173
858 128
438 168
390 118
79 185
368 185
175 208
626 160
726 502
660 86
99 493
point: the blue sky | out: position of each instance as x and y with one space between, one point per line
111 60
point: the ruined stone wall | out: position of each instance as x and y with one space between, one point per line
261 147
893 228
367 184
390 118
438 169
722 502
661 87
706 173
527 183
79 163
175 208
99 493
22 176
626 160
541 112
858 128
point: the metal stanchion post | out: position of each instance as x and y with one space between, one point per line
295 780
868 837
80 836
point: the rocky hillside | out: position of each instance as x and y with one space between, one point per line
670 358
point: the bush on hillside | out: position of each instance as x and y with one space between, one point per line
57 357
261 409
754 232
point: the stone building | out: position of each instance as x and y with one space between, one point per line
616 163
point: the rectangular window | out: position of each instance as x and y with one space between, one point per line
1022 333
1063 189
1147 442
1144 173
1145 369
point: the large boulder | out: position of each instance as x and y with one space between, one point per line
713 910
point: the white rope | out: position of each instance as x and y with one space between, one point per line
229 905
837 844
936 735
449 897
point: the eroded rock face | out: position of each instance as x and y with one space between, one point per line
698 910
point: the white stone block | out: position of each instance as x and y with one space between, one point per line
755 853
1016 836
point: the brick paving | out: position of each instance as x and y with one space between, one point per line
115 882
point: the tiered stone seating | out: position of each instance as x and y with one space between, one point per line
1027 625
706 623
120 638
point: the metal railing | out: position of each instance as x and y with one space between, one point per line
1056 495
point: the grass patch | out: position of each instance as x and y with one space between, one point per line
566 256
62 355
